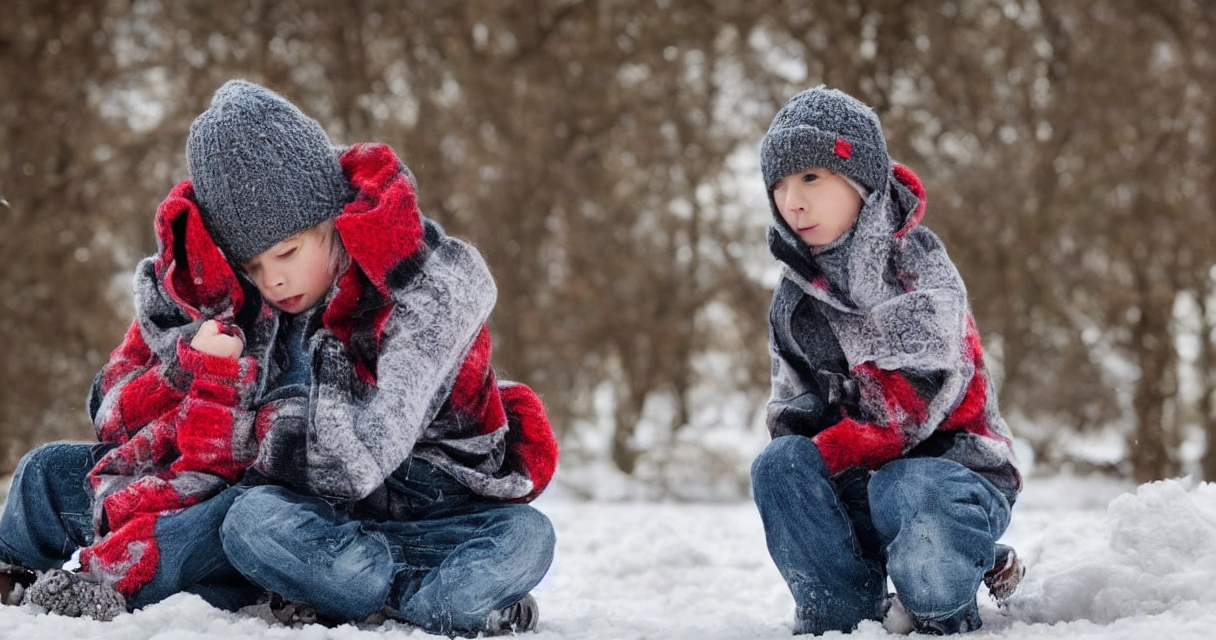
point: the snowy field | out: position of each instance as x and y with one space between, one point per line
1105 560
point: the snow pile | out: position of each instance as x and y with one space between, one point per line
1105 560
1156 552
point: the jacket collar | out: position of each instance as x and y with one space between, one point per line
886 218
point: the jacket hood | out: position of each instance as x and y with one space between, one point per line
383 232
188 263
381 229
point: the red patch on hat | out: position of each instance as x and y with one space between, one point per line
844 148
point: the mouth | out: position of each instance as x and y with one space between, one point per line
289 303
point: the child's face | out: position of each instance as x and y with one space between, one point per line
818 204
296 273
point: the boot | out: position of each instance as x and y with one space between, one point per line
516 618
1006 572
13 582
293 613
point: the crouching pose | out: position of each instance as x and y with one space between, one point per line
889 456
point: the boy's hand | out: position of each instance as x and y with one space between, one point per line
853 489
212 341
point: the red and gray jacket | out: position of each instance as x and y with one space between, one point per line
400 368
874 349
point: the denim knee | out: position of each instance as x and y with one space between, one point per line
784 455
939 521
534 537
917 477
49 510
916 485
254 514
54 455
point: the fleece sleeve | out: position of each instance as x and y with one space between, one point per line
871 444
909 393
215 422
809 381
133 389
793 406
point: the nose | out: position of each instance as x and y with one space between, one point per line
271 278
794 204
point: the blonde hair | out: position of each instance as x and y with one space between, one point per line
338 258
324 233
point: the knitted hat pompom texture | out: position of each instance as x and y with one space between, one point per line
262 170
829 129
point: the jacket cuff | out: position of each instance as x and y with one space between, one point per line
849 443
217 378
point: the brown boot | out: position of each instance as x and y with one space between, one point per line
1003 578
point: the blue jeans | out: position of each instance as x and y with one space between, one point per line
450 559
49 514
936 524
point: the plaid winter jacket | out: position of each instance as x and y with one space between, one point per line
400 367
884 360
183 420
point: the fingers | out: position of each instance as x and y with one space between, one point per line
208 328
212 340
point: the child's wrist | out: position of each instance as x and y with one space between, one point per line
208 366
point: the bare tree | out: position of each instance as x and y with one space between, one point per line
63 168
585 147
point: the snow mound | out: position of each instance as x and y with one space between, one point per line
1159 555
1105 561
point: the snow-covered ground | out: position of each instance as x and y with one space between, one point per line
1105 560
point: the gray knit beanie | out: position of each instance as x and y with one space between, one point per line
262 170
826 128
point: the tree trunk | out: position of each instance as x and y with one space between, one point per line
1150 446
626 417
1207 386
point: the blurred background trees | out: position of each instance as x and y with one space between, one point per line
601 154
